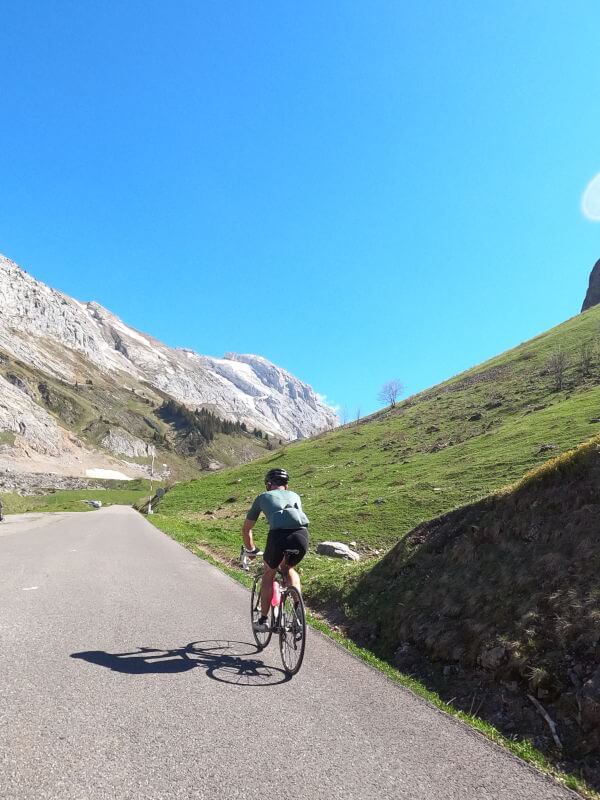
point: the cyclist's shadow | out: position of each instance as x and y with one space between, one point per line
224 661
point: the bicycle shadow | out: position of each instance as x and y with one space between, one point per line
224 661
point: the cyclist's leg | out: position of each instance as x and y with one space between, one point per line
295 540
272 556
293 579
266 589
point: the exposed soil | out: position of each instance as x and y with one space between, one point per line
498 603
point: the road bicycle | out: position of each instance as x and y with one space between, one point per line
287 616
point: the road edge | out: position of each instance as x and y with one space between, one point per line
522 752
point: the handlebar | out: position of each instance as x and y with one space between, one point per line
246 556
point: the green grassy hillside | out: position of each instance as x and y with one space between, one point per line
517 571
114 493
374 481
503 592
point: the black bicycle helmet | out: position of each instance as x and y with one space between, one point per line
277 476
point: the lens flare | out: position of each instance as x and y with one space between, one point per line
590 202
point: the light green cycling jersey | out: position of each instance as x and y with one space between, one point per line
282 508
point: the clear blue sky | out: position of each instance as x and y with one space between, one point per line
357 191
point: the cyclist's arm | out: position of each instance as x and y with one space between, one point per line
251 518
247 534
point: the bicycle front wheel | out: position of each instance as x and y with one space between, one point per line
292 630
261 638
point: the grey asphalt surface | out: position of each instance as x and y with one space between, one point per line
128 670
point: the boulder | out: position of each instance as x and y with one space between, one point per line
337 550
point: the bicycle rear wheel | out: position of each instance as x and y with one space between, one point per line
292 630
262 639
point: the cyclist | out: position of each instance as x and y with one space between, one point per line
287 531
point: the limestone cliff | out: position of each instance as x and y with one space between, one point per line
592 297
58 335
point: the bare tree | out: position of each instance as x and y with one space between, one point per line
344 415
390 392
556 366
358 413
586 354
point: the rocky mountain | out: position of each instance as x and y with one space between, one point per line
592 296
74 376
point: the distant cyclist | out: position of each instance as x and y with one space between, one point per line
287 531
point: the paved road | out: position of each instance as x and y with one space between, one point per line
127 671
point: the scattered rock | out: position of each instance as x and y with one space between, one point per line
591 743
590 701
436 447
437 489
475 417
540 407
337 550
123 443
493 404
231 499
406 657
37 483
595 419
380 501
547 447
432 429
491 659
20 383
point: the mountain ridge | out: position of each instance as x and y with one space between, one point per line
44 328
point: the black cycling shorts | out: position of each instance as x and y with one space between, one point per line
279 540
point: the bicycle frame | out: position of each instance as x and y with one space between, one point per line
282 623
280 575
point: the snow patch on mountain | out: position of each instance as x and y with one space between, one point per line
48 329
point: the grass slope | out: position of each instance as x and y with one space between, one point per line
115 493
506 590
519 570
373 482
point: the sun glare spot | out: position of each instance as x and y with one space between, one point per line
590 202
